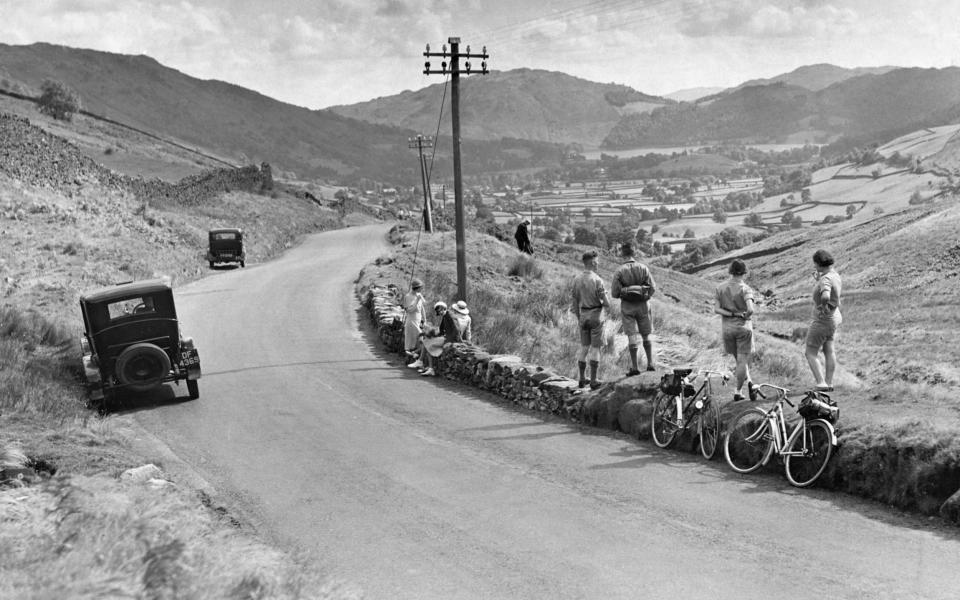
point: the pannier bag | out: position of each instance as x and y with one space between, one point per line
816 405
672 383
633 295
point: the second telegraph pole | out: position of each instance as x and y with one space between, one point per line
454 71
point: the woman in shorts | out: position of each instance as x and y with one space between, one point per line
822 333
735 306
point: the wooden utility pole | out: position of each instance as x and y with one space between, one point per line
453 69
420 142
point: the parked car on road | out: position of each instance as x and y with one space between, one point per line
226 246
132 341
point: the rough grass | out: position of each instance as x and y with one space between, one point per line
95 537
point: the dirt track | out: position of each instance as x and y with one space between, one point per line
424 489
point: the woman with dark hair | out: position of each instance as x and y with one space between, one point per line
735 306
822 332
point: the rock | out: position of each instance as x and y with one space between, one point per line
142 474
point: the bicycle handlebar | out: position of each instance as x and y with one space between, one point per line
781 392
708 372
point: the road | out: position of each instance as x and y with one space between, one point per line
417 488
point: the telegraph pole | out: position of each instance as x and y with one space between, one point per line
420 142
453 69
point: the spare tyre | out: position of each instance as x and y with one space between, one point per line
142 366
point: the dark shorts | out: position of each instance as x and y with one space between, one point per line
636 319
738 340
591 328
821 332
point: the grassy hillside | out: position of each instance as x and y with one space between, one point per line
817 77
521 103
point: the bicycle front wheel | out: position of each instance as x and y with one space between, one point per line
663 424
813 447
710 429
748 442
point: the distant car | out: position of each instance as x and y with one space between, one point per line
132 341
226 246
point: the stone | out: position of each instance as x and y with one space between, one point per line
142 474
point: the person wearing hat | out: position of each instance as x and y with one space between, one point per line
633 285
735 307
413 304
822 332
432 340
457 325
589 300
523 237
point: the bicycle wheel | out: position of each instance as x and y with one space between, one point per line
803 470
748 442
710 429
663 423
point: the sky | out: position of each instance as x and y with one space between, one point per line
320 53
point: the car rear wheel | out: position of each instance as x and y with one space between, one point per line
142 366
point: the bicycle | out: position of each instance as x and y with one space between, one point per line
678 406
756 434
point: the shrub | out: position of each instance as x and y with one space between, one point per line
525 266
58 100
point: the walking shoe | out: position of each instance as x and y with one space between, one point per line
633 372
737 397
595 385
651 368
751 392
417 364
429 373
582 383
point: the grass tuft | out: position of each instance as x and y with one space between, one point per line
526 267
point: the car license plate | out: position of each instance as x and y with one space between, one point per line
189 357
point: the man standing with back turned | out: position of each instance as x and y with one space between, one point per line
634 285
589 300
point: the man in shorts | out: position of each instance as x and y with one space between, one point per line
589 300
822 332
735 306
633 285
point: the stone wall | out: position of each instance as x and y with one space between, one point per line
902 469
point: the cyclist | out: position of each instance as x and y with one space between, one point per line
589 300
633 285
826 320
735 307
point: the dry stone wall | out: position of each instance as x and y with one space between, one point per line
32 155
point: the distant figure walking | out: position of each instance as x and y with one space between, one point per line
413 320
523 237
735 307
822 333
634 286
589 300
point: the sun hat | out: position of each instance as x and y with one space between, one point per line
460 307
440 304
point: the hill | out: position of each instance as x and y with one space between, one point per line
521 103
237 123
817 77
865 106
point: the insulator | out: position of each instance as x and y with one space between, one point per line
484 50
468 66
483 65
428 47
426 66
468 49
443 66
444 48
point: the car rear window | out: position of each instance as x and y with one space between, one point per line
131 306
225 236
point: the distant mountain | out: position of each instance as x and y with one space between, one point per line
691 94
521 103
817 77
236 122
894 101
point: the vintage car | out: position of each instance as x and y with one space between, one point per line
226 246
132 341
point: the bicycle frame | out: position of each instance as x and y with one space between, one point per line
775 425
683 409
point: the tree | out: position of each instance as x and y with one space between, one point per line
587 213
851 210
58 100
787 217
689 234
719 216
753 220
805 195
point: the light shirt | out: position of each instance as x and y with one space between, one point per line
588 292
732 295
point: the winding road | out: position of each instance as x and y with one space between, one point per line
416 488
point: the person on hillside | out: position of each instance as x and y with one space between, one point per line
413 304
634 286
589 300
735 307
523 237
822 333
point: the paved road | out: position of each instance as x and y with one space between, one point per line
417 488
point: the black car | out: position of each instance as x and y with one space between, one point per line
132 341
226 246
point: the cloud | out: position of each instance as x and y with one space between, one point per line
765 19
